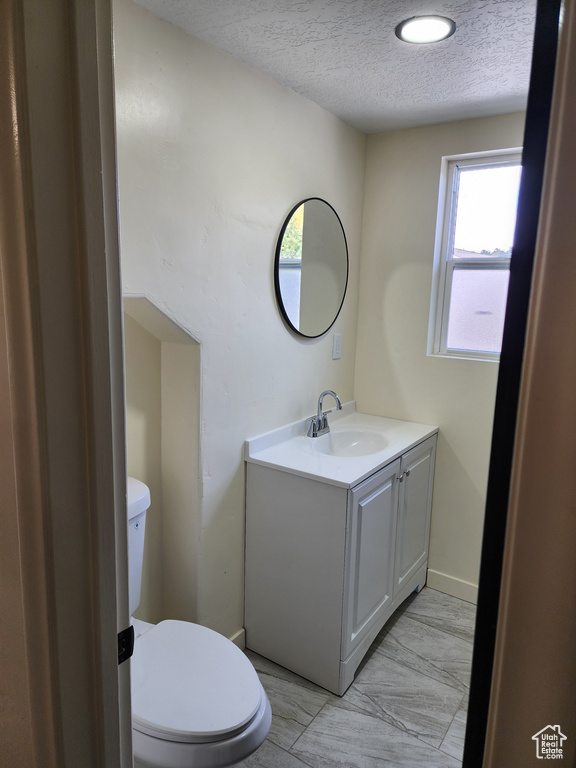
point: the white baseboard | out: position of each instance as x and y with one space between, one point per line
465 590
239 638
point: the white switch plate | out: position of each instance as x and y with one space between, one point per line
337 346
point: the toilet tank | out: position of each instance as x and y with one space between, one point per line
138 502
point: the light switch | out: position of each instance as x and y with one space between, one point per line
337 346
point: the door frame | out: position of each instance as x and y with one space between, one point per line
62 475
496 697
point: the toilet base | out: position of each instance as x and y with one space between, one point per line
150 752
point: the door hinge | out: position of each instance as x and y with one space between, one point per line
125 644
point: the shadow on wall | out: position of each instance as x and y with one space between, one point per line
163 450
455 394
457 525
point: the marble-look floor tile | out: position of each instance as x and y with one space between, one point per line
262 665
294 701
406 708
453 743
340 738
405 698
442 612
428 650
271 756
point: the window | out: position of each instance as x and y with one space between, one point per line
477 216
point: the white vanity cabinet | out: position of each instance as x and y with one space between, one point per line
326 565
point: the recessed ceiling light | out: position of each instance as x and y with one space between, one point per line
425 29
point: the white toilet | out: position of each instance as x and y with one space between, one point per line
197 701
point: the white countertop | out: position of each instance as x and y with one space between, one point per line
289 449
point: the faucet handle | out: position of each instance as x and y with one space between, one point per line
312 424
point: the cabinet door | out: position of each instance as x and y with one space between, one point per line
415 504
370 540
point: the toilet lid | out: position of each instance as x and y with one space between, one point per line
191 684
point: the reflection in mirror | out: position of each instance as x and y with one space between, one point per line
311 267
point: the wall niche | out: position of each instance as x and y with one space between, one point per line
162 368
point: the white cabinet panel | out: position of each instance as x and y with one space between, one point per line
295 545
415 505
370 553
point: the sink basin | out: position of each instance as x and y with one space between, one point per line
357 446
351 442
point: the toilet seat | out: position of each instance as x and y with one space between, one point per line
192 685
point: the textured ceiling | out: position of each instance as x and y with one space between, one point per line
344 55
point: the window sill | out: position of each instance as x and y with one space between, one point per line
464 355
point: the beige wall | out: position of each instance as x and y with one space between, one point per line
394 376
212 156
144 456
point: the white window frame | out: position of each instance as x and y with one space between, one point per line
444 261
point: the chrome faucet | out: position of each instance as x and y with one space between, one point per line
318 425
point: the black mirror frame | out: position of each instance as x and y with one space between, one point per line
277 291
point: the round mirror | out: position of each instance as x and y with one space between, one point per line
311 267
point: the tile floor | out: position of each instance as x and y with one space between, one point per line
406 707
